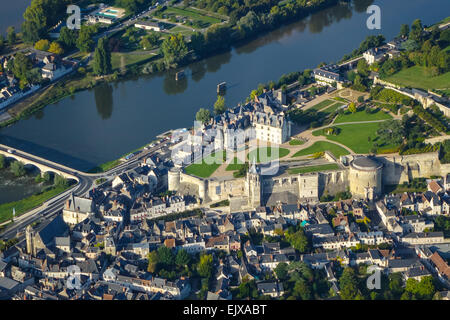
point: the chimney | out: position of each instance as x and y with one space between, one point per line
67 204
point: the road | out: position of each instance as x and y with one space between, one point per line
86 182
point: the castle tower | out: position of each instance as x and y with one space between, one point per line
253 186
174 179
29 235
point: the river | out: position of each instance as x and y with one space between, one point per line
106 122
11 14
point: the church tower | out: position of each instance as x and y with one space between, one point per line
253 186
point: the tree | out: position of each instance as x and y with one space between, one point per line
349 284
46 177
281 271
152 261
21 66
18 168
298 240
302 290
416 31
363 68
149 41
102 58
2 161
404 30
396 284
391 131
11 36
205 266
219 105
55 48
166 257
84 41
42 45
352 107
182 258
203 115
2 43
198 43
174 50
68 38
60 181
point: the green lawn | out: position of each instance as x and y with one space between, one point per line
417 77
208 166
266 155
29 203
128 59
182 30
333 107
324 167
363 116
296 142
201 19
321 146
355 136
236 164
322 105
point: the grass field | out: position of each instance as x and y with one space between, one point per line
235 165
417 77
266 155
356 136
322 105
208 166
296 142
322 146
182 30
333 107
363 116
27 204
197 18
325 167
119 60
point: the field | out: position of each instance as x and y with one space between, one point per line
356 136
266 155
29 203
236 164
120 60
208 166
296 142
333 107
322 105
325 167
417 77
363 116
197 19
322 146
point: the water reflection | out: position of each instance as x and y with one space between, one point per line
198 70
103 95
319 20
361 5
172 86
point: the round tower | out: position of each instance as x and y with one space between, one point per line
173 179
365 177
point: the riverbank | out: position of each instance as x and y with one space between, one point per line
27 204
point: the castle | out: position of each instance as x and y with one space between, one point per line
364 176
